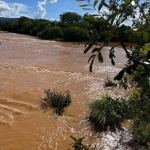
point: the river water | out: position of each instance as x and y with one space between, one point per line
28 66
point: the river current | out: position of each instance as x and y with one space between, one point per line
28 66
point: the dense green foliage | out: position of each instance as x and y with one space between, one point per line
108 112
113 16
57 100
70 17
71 27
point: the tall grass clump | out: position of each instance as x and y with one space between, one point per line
109 83
79 145
106 112
57 100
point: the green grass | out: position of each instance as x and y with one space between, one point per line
109 83
107 112
57 100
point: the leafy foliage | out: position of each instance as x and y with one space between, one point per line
70 17
57 100
141 131
51 33
108 112
136 72
109 83
113 27
78 144
73 33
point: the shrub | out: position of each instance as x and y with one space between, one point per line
139 104
76 34
109 83
51 33
108 112
141 131
57 100
144 50
78 144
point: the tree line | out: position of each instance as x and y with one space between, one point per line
72 27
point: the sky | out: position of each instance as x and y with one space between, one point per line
47 9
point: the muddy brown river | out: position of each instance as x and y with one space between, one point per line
28 66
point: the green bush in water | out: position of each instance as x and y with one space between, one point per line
57 100
109 83
108 112
79 145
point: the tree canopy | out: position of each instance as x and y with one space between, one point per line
70 17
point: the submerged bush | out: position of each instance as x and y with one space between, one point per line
109 83
79 145
108 112
57 100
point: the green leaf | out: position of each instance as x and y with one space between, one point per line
111 55
146 36
90 45
113 62
91 57
87 8
101 5
93 15
112 49
148 54
95 2
106 5
100 58
127 1
83 5
97 49
129 70
91 65
113 16
119 75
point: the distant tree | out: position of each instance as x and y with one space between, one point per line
12 26
70 17
3 26
38 26
75 34
25 25
51 33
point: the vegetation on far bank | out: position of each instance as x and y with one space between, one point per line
72 27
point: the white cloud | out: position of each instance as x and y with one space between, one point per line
50 1
3 6
41 10
12 10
